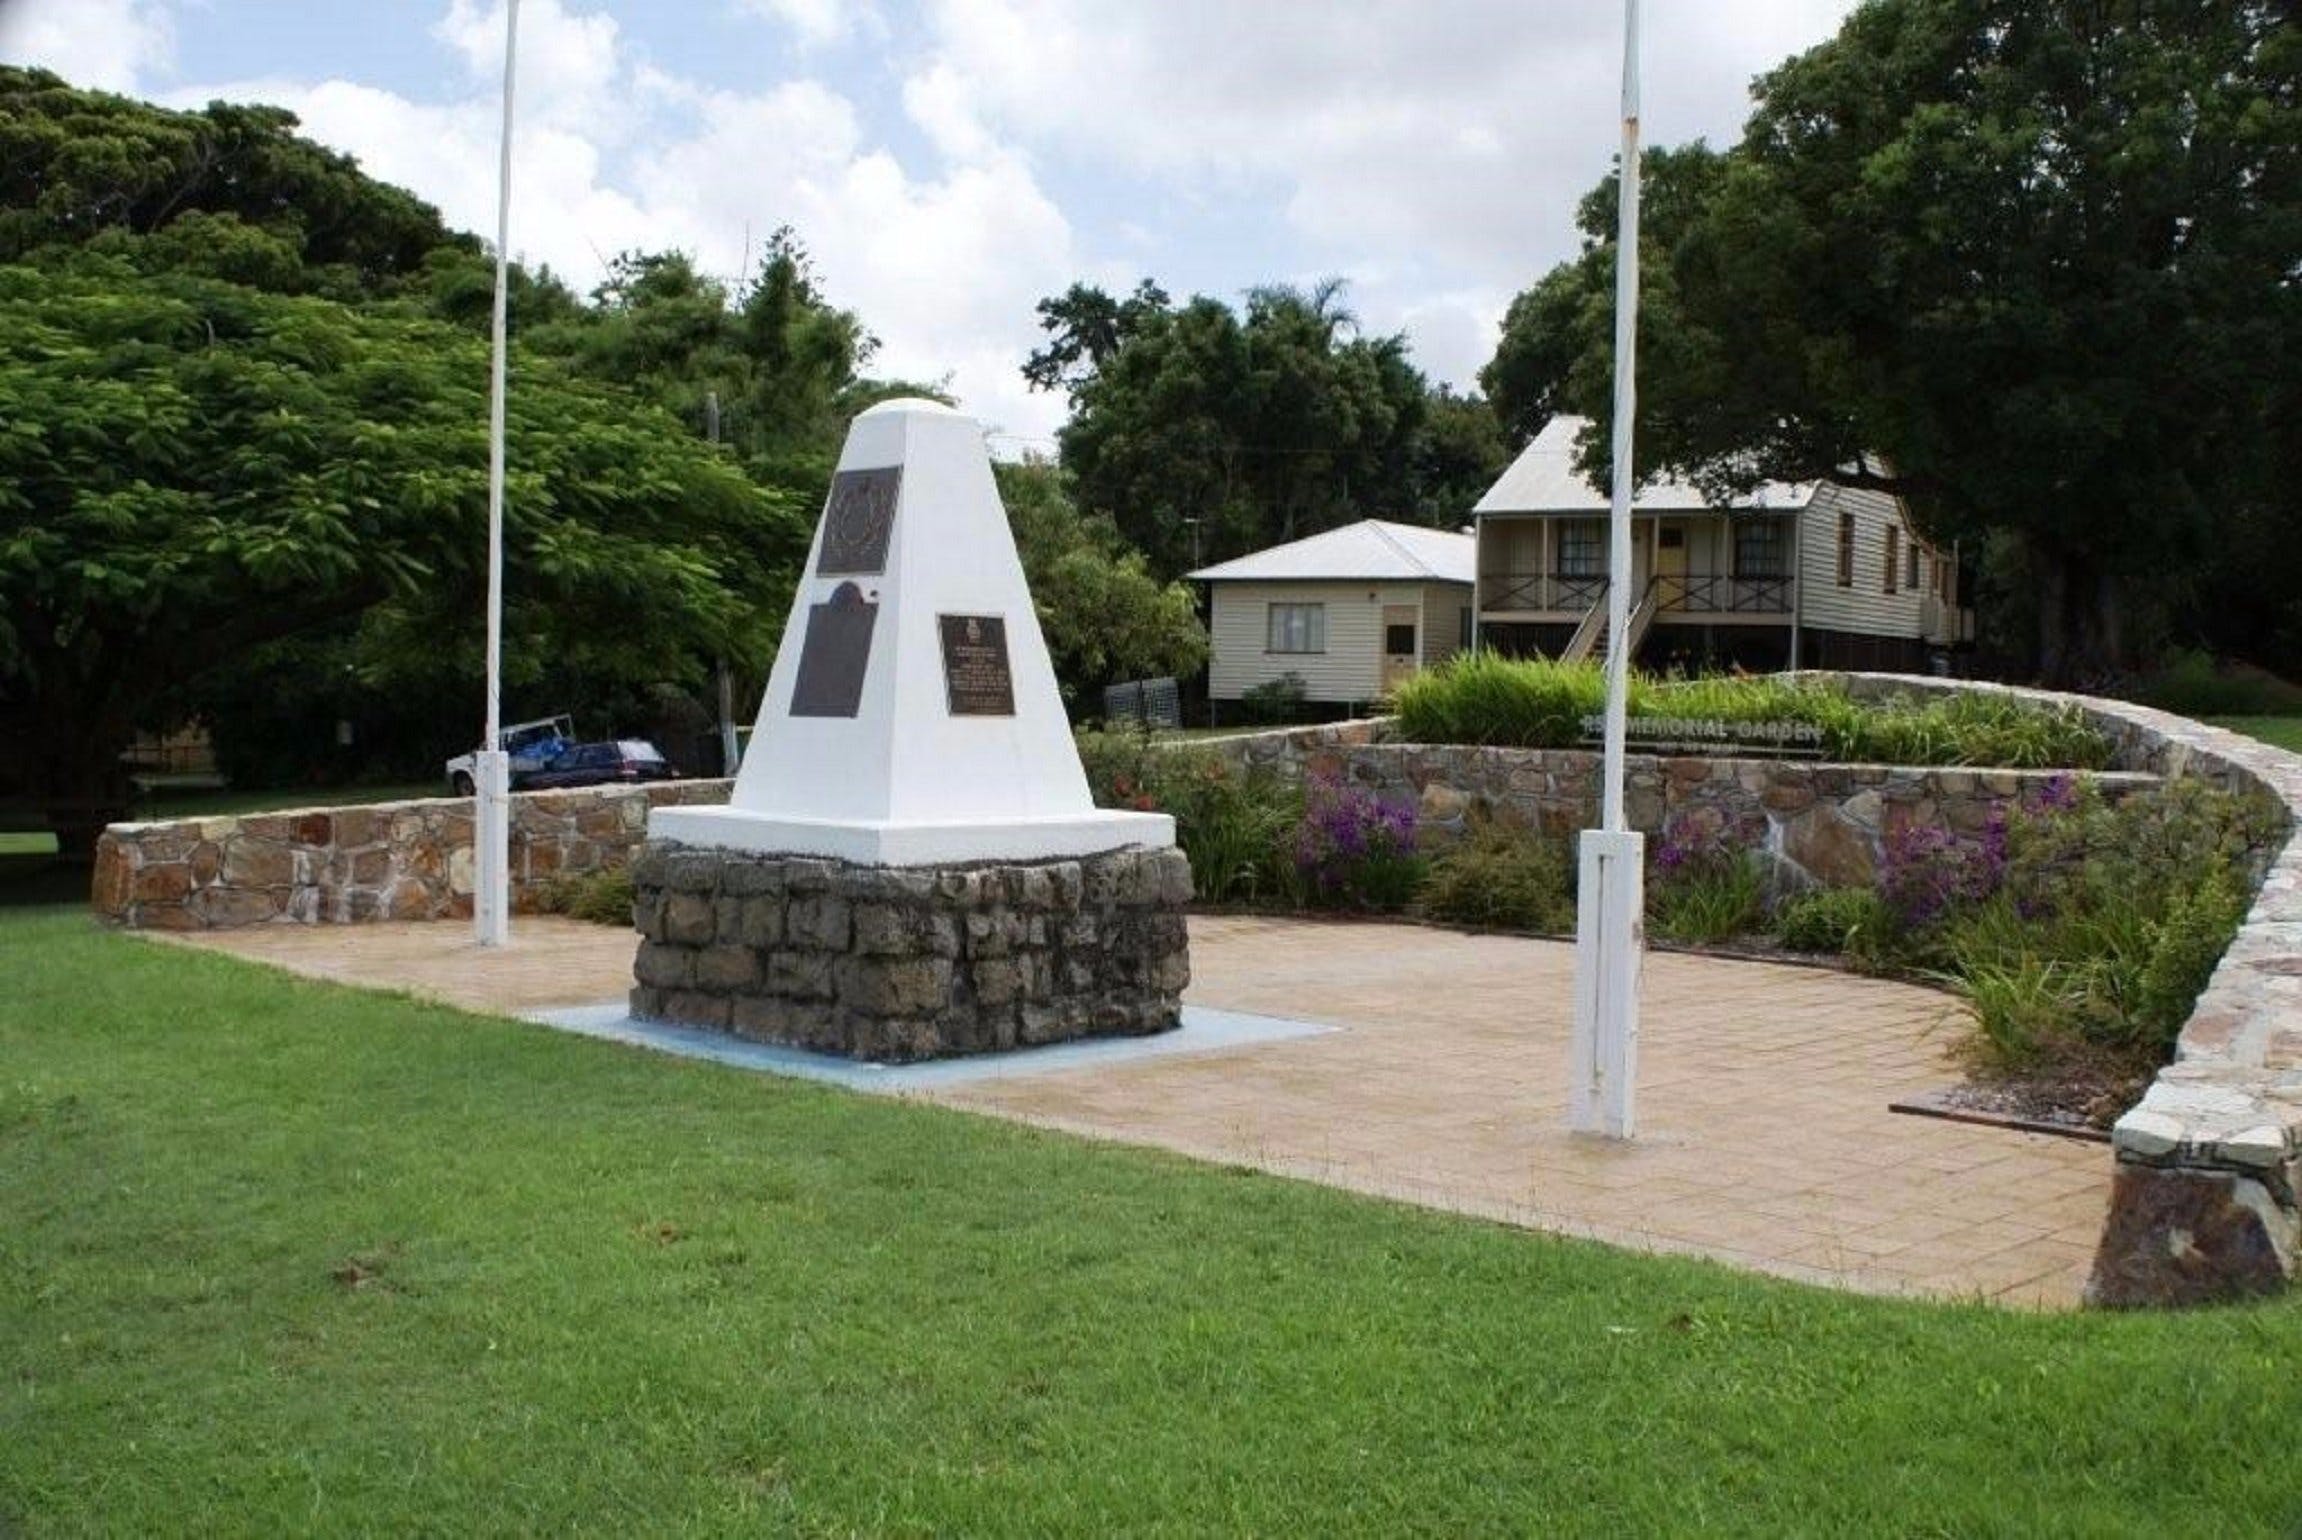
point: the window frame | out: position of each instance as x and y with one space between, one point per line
1314 636
1776 528
1846 548
1591 555
1892 558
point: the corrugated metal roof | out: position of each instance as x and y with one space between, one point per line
1543 479
1370 550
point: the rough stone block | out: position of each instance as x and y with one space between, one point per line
688 917
2184 1237
817 921
763 920
725 969
799 975
910 986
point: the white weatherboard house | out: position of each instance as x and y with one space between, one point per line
1815 575
1352 612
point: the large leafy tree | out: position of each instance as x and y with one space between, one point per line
191 469
1202 431
2029 263
1105 617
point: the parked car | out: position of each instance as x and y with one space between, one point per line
532 745
598 764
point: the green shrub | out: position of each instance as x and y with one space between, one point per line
1852 922
1505 877
1714 902
1237 828
603 897
1483 698
1274 700
2193 686
1541 703
2108 922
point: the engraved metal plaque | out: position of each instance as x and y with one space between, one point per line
834 655
858 520
976 679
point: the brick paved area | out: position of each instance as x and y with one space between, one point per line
1765 1139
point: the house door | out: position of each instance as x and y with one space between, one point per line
1670 565
1400 652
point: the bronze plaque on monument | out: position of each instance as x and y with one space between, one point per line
834 655
858 521
976 680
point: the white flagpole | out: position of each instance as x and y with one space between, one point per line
1610 926
491 825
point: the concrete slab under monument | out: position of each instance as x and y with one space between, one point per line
910 864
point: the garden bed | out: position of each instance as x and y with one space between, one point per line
2072 912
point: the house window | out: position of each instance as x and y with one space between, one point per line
1582 548
1917 568
1893 549
1762 548
1297 628
1846 550
1399 641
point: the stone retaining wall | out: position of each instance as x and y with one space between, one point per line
2207 1201
388 861
2207 1196
899 963
1818 823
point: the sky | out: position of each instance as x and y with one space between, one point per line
950 162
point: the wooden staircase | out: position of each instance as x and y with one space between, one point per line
1590 638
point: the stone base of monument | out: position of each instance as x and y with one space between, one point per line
900 963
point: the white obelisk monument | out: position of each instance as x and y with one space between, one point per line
912 717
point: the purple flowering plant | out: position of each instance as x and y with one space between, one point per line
1354 849
1926 870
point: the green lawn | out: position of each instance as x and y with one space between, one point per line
2286 732
280 1257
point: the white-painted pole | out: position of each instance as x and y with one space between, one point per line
491 825
1610 923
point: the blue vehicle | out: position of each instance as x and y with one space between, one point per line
532 745
618 760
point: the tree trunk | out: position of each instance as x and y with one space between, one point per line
2081 619
2051 570
75 775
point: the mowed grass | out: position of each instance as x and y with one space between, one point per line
2284 732
280 1257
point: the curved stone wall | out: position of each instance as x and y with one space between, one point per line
2206 1205
2207 1194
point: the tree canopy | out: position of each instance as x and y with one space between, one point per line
1203 432
191 469
2028 263
244 395
1105 617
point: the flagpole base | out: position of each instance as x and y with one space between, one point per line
491 847
1610 951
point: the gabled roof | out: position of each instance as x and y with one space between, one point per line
1367 551
1543 479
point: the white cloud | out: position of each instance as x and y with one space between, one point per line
613 153
1445 143
108 44
820 23
1433 150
